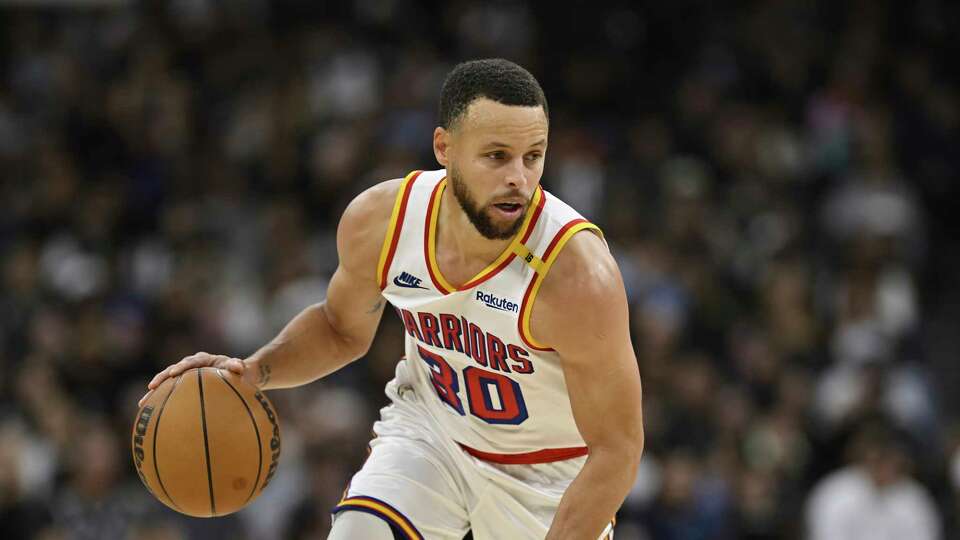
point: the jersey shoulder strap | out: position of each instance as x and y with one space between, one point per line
409 207
561 223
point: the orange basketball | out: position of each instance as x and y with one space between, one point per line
206 443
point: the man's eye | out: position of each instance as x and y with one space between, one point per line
534 157
495 155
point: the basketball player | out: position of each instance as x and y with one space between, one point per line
515 412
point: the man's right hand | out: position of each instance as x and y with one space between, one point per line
200 359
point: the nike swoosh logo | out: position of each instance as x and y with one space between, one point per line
398 283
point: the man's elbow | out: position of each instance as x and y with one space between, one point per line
626 450
348 347
631 439
358 349
352 348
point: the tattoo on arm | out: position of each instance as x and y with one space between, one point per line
264 376
376 307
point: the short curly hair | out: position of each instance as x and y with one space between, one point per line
493 78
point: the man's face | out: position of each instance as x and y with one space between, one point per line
494 162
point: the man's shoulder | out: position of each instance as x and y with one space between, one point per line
377 202
376 199
583 288
364 223
583 268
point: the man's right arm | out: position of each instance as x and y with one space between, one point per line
327 336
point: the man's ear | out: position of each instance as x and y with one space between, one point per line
441 145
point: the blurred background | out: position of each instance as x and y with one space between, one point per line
776 179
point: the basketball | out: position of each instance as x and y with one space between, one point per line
206 443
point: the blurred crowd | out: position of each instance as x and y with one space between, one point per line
775 179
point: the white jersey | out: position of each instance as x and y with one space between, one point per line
490 385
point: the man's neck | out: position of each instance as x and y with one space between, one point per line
463 244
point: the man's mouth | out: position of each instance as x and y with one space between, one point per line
509 210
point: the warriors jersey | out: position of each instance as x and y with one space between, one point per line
491 385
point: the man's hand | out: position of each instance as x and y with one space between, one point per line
203 359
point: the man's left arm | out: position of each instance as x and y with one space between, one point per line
582 313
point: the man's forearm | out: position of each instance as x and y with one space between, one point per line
308 348
594 496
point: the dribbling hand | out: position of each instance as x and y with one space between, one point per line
200 359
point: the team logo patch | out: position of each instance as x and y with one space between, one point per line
495 302
408 281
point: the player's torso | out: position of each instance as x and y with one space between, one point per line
488 383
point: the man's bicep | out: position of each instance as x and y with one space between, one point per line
603 381
354 305
605 395
354 302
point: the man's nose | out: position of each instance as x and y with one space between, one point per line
515 174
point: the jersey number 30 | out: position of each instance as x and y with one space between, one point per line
493 397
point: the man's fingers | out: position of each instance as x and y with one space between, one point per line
197 360
162 376
171 371
157 379
180 367
236 366
144 398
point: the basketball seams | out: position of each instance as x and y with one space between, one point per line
156 432
206 445
183 434
256 430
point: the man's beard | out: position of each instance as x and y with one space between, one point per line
478 216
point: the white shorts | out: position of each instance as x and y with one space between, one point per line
425 486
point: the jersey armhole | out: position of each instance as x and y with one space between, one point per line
392 236
542 267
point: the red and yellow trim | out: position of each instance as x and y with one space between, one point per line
392 237
430 242
549 256
528 458
376 507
